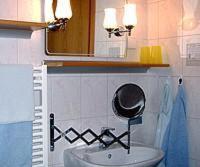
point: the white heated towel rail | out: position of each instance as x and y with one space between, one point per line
40 138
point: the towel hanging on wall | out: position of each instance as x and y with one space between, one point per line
16 93
16 144
175 142
165 114
17 114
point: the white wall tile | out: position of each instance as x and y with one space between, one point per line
193 96
8 9
145 132
31 10
194 138
191 25
116 48
194 31
101 49
152 20
102 4
136 46
170 15
150 1
194 163
66 97
152 97
153 42
8 53
100 33
171 50
32 51
120 126
191 70
140 30
93 96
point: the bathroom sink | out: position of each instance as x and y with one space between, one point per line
114 156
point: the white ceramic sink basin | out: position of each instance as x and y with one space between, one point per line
115 156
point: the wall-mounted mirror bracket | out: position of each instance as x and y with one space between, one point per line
115 139
132 121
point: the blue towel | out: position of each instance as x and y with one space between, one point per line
16 144
175 143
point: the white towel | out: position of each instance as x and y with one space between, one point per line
16 93
165 114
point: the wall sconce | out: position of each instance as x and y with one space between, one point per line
62 14
129 20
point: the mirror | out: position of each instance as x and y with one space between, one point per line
128 101
84 34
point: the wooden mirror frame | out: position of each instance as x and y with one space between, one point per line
55 39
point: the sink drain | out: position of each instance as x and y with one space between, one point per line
109 156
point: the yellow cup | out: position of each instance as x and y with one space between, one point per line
156 55
145 55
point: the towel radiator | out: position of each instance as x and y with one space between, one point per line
40 138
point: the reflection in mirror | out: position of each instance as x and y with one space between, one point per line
84 34
129 101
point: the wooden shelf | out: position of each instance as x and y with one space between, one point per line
101 64
21 25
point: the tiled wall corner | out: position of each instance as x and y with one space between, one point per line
152 21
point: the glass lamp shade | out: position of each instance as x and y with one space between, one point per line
49 17
130 16
63 9
110 20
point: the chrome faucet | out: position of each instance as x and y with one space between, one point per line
106 136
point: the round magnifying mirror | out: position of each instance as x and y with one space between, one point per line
128 101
